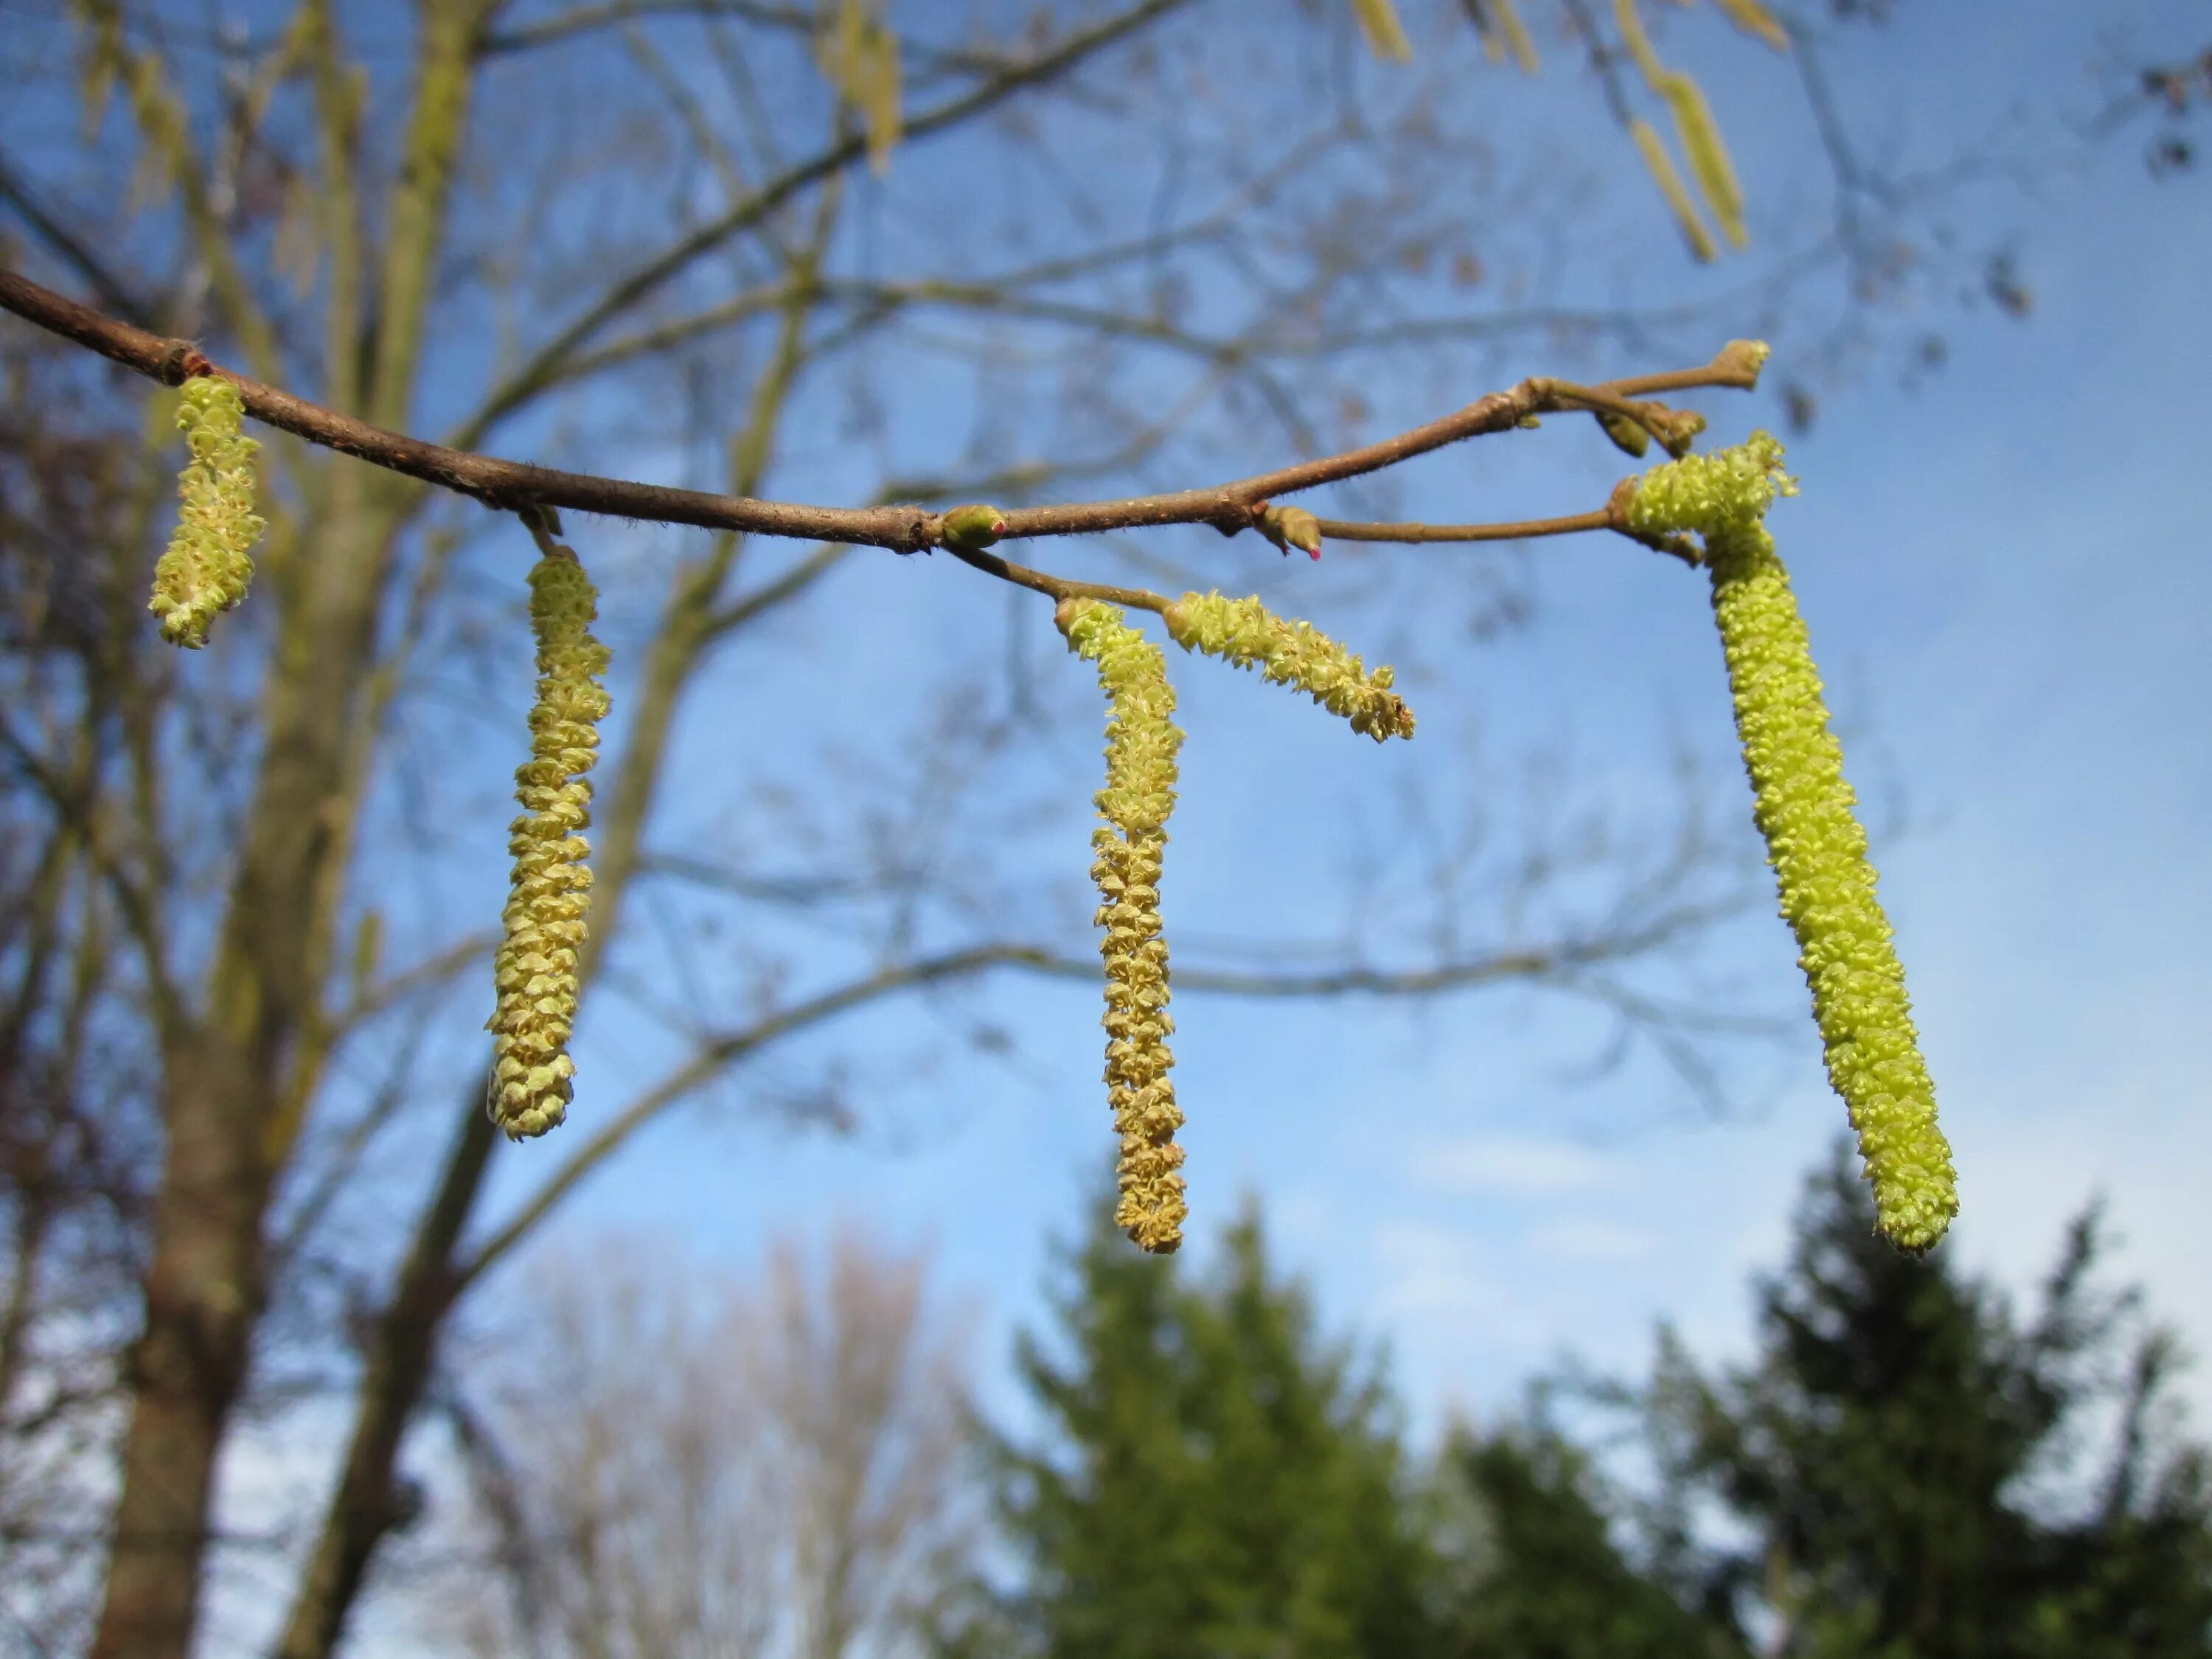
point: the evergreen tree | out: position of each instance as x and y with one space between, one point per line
1920 1473
1545 1576
1217 1481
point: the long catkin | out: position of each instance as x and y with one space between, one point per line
1141 744
1804 808
550 893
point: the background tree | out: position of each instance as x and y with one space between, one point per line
254 1173
1921 1472
1904 1469
697 1465
1214 1475
1543 1570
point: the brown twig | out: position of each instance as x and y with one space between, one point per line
1353 530
1230 507
1058 587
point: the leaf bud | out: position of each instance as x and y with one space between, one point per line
1291 526
974 526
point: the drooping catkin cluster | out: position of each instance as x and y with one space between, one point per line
1246 633
205 570
550 889
1803 807
1141 744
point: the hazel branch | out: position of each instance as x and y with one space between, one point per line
1231 508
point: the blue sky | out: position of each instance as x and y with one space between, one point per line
2004 574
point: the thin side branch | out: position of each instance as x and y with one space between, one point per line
1353 530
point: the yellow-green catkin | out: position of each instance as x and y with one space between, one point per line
1803 806
1141 743
550 890
1246 633
1709 162
1653 149
1386 35
1754 19
206 567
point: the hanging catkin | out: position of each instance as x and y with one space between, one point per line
1804 809
1141 743
550 890
1246 633
208 564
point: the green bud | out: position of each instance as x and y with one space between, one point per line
1745 357
1627 436
1292 527
973 526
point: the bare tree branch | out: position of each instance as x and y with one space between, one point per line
1230 507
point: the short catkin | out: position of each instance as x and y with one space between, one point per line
1804 809
1141 744
550 890
1246 633
205 569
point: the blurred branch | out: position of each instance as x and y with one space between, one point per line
162 121
111 291
548 362
1556 964
139 912
433 970
581 20
750 607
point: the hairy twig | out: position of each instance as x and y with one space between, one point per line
1229 508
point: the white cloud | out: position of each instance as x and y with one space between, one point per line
1429 1270
1586 1238
1510 1163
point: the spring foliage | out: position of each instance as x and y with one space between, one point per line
208 564
1804 809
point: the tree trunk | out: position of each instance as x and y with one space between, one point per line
226 1083
400 1351
203 1293
233 1114
397 1362
395 1366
